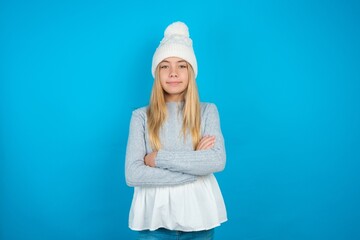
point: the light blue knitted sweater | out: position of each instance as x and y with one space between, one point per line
176 162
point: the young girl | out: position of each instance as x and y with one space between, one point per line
174 147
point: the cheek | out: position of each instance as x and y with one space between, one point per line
184 74
186 79
163 76
162 83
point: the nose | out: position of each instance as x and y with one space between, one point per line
173 72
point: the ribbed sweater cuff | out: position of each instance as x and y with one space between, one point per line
162 158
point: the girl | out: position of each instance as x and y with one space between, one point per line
174 147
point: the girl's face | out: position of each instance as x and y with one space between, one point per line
174 78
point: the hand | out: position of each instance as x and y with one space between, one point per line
149 159
205 143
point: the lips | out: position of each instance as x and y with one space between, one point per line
174 83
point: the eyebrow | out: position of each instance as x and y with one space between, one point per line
166 61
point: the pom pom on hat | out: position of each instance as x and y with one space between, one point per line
176 43
177 28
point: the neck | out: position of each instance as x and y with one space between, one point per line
174 98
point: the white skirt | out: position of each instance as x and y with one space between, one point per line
193 206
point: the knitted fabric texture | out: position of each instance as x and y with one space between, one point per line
176 162
176 43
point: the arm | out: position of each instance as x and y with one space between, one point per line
136 172
202 162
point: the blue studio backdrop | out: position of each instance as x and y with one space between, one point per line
284 75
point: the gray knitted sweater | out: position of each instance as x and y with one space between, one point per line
176 162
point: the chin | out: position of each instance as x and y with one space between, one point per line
174 92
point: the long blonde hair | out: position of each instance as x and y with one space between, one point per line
157 112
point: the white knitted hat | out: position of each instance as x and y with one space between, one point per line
176 43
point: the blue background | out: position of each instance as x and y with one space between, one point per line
285 76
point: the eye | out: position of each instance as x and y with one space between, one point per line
164 66
183 66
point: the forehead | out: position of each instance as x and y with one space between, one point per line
173 60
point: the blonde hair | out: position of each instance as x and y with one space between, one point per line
157 112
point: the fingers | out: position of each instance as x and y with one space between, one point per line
206 142
149 159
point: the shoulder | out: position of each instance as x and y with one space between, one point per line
140 112
207 108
